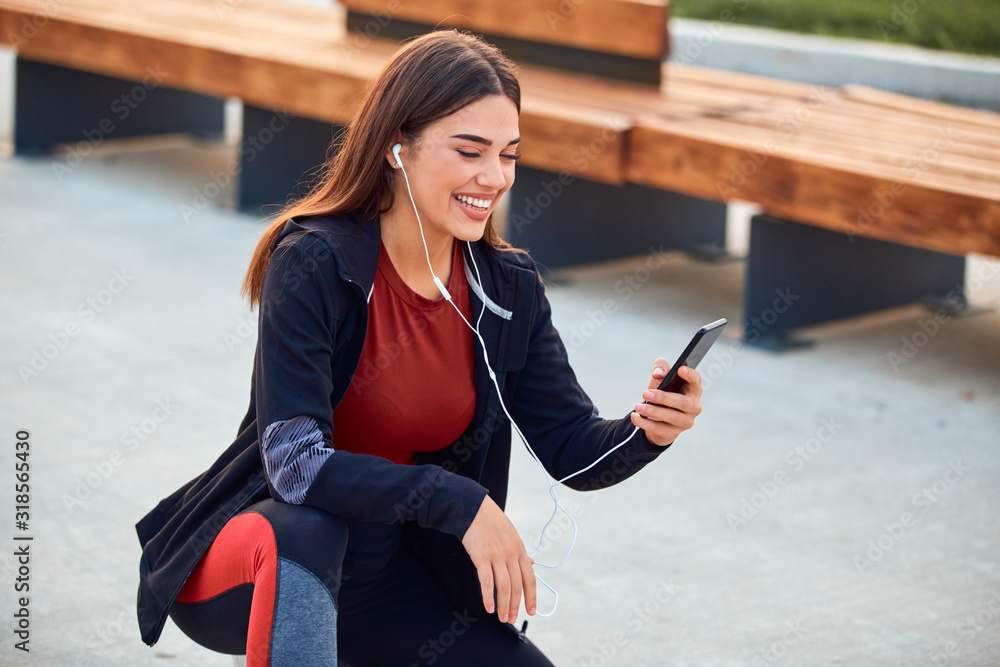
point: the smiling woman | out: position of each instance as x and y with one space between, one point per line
358 517
426 93
456 173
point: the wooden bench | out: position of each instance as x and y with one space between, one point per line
279 59
628 159
892 192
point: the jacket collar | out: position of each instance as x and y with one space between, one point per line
357 252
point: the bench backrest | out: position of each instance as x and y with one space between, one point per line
621 39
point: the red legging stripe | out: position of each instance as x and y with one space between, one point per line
244 552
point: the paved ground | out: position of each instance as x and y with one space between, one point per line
878 544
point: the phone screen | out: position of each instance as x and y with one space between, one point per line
693 354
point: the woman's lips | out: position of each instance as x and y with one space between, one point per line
470 208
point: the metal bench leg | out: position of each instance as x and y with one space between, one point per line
279 156
564 220
55 104
800 275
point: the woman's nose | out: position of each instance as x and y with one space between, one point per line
492 175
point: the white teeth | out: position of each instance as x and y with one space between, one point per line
483 204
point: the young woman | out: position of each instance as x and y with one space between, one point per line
359 512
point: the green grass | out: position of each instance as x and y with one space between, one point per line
971 26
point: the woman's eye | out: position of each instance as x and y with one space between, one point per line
512 157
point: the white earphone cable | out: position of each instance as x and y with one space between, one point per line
475 329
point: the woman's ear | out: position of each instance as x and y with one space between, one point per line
390 154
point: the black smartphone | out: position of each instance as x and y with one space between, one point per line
692 355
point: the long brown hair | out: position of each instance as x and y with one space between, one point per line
429 78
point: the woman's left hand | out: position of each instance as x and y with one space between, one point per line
667 414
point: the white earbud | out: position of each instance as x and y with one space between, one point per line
395 151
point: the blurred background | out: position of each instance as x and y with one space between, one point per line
837 502
969 26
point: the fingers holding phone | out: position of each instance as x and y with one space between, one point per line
664 415
670 408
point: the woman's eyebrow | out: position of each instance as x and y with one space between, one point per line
480 140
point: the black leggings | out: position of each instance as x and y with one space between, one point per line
287 586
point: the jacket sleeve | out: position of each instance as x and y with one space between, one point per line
560 421
298 331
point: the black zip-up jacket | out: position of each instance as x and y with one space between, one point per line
312 320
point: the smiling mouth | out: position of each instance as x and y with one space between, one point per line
475 204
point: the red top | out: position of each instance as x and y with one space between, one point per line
413 390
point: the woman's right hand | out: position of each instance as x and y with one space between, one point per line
500 559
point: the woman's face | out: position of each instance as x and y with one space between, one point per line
460 167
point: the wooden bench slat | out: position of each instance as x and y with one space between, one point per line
927 108
636 28
585 142
810 156
678 98
321 86
946 170
859 101
134 23
887 135
717 79
266 18
866 114
791 184
857 126
203 30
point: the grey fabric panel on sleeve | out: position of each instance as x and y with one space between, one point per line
293 451
304 633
